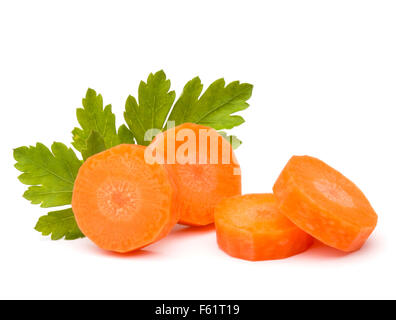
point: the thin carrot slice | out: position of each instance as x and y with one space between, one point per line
203 167
324 203
122 203
250 227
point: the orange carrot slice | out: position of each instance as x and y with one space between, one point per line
203 168
251 227
324 203
122 203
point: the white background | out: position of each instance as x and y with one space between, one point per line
324 75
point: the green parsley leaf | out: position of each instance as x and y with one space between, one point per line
233 140
59 224
50 175
125 135
92 117
155 101
189 97
216 106
95 144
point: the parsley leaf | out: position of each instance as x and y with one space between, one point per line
93 117
233 140
95 144
50 174
155 101
216 106
189 97
59 224
125 135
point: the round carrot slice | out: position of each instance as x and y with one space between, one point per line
324 203
203 167
251 227
122 203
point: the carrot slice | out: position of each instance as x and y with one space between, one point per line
251 227
203 168
324 203
122 203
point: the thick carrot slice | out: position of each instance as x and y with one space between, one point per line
324 203
251 227
122 203
203 168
